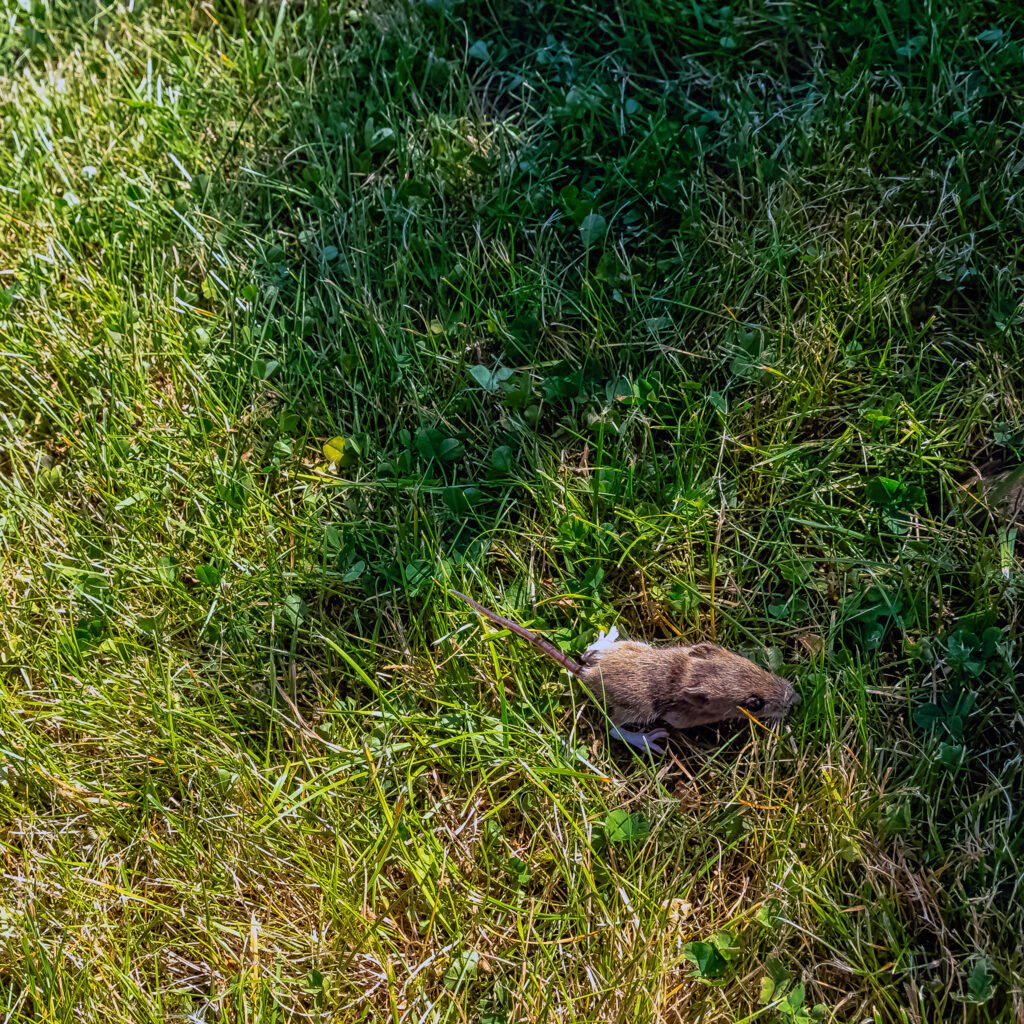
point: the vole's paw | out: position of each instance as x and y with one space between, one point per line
604 643
654 740
645 742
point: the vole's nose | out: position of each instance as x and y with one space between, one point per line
796 699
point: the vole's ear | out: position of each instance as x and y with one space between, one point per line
695 698
701 650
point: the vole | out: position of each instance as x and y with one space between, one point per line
682 686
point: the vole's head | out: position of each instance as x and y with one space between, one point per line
718 685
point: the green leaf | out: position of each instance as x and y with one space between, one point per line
952 755
980 982
914 496
208 575
167 569
777 972
234 493
152 624
709 960
990 35
883 491
645 391
333 541
518 871
434 445
293 609
991 640
416 574
875 417
620 390
488 379
898 817
354 572
462 499
725 943
378 139
793 1001
768 914
89 631
501 460
462 970
263 369
133 499
449 450
912 47
593 228
482 375
623 826
927 715
517 391
718 402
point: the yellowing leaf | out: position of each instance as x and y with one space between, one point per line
334 450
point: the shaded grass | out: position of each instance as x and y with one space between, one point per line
695 320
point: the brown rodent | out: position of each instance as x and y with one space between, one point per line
640 685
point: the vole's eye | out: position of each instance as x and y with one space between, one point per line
754 703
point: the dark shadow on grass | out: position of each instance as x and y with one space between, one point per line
575 289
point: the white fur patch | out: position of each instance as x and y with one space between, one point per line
604 643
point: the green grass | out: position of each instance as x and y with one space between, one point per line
700 320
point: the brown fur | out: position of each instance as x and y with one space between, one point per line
681 686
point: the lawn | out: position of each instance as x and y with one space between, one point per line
699 320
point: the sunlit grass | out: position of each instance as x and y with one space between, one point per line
700 321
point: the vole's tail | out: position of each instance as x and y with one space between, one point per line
573 667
